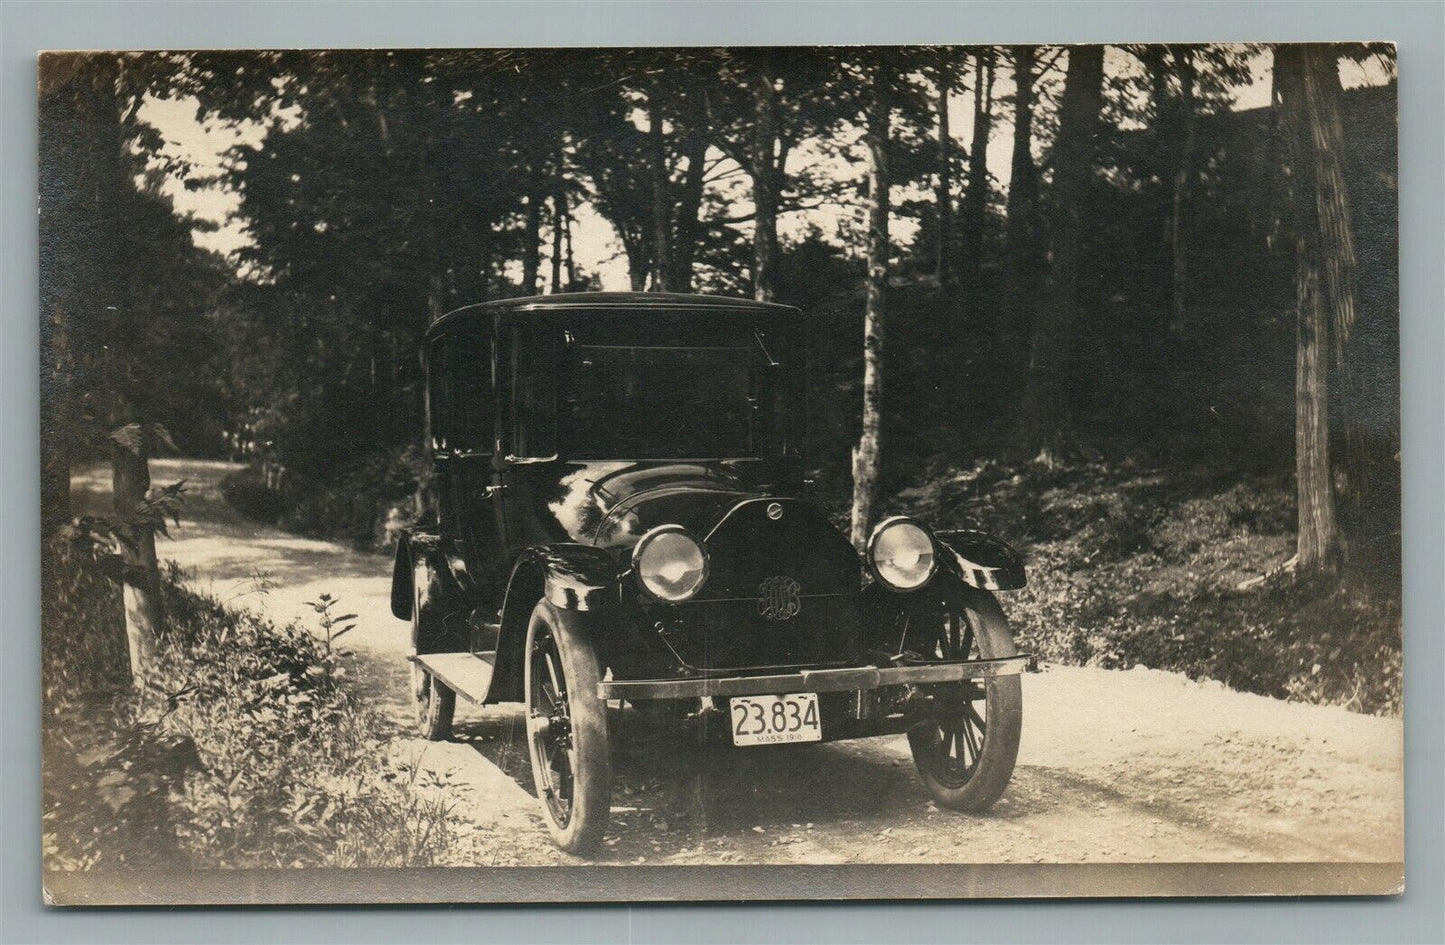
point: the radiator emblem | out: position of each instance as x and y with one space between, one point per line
779 598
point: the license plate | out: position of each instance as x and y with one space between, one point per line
776 720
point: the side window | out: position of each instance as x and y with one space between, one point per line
470 389
462 404
437 384
533 376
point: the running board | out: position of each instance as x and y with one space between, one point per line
469 675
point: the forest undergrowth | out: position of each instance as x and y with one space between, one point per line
1130 566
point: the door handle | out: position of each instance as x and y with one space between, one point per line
494 490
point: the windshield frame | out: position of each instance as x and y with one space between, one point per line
776 402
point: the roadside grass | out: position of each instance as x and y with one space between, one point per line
1143 567
252 752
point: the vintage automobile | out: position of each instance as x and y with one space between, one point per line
622 520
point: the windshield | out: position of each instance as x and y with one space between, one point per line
634 401
672 391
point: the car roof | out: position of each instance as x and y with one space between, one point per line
609 303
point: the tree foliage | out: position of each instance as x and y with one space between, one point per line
378 189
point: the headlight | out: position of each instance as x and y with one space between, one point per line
670 563
901 553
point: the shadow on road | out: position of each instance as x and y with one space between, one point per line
674 778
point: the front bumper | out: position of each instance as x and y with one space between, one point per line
811 680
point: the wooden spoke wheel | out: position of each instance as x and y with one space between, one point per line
567 735
435 704
965 745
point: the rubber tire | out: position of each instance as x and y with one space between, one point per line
592 772
435 709
1004 695
436 703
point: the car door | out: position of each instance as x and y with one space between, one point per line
527 473
464 446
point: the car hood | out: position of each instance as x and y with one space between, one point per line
613 504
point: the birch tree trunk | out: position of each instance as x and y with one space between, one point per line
1043 414
866 454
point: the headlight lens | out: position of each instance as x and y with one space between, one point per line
670 563
901 553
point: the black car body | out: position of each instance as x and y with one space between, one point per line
621 519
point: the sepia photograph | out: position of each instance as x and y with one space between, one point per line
807 472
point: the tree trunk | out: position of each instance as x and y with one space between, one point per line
130 468
140 588
532 228
765 187
1183 177
567 236
866 454
484 264
975 202
1042 414
559 217
55 423
943 192
661 203
689 206
1338 253
1160 167
634 247
1324 284
1021 233
425 500
1317 544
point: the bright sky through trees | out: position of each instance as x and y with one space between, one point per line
203 145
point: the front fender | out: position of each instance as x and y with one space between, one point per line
570 577
574 577
982 560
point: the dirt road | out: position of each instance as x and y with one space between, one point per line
1134 766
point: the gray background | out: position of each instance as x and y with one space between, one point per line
26 28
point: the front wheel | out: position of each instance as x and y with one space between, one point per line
567 729
966 746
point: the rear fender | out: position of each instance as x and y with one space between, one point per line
412 549
981 560
420 577
570 577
